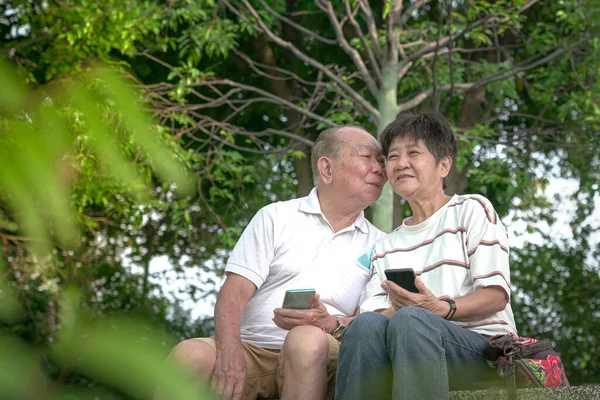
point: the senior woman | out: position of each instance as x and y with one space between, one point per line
407 345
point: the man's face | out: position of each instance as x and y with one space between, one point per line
359 171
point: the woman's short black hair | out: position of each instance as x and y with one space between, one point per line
431 127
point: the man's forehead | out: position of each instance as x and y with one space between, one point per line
370 146
363 143
349 130
356 136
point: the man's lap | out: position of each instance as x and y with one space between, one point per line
264 368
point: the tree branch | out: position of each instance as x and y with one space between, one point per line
267 95
297 26
372 28
411 8
309 60
526 67
393 32
437 45
265 132
436 94
254 66
363 40
450 62
419 98
349 50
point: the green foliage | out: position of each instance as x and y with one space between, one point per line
520 132
11 310
111 350
568 282
48 144
129 346
35 143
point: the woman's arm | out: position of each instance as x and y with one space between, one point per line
472 307
477 305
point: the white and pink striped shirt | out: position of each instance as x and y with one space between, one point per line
462 247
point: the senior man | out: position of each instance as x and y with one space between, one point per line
261 350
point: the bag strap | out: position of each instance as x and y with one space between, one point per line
511 381
526 351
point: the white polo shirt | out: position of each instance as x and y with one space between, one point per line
291 245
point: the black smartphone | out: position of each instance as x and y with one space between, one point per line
299 298
403 277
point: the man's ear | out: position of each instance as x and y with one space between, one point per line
324 165
445 165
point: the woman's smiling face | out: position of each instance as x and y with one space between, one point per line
412 170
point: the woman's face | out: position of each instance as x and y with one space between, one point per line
412 170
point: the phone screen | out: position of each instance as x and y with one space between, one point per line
403 277
299 298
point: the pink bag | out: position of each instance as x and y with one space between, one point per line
526 362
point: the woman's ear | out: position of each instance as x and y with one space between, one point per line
324 165
445 165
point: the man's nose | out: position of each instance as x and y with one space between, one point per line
378 168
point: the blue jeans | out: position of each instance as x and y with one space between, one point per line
413 355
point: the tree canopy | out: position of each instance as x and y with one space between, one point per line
238 90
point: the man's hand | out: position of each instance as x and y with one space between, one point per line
288 318
401 297
229 374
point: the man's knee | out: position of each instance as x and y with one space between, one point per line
195 356
306 345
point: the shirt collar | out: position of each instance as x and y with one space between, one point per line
310 204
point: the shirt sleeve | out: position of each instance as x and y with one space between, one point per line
487 246
253 253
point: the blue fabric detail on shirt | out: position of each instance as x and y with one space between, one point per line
365 260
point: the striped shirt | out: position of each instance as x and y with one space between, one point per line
461 248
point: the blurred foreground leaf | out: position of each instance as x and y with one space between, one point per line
20 372
11 310
45 142
36 142
139 125
121 352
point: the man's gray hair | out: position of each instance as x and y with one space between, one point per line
328 144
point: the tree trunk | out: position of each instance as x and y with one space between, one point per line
285 91
147 258
399 205
383 210
303 173
471 112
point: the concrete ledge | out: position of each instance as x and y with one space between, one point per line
591 392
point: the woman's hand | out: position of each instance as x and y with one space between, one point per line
425 299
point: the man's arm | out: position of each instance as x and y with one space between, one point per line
229 374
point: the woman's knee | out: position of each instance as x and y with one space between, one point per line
306 344
412 321
369 324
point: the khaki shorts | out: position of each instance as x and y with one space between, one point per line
264 369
